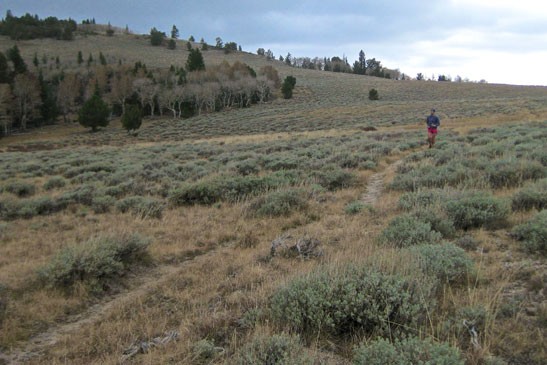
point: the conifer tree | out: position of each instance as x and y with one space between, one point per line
19 65
195 61
174 32
94 113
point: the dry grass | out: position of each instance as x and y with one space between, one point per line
210 267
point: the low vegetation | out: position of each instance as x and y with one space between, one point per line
245 231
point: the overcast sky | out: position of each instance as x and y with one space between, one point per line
500 41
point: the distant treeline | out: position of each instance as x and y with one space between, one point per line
31 27
35 96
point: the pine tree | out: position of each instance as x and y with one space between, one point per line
156 37
102 59
195 61
4 69
80 58
174 32
48 109
94 113
288 86
19 66
132 118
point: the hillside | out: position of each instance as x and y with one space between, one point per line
318 229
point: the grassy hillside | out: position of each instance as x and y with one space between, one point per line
319 229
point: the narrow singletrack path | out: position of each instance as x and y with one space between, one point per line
375 186
40 342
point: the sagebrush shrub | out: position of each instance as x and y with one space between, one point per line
476 209
411 350
408 230
279 203
447 262
438 220
430 177
512 172
230 188
83 194
349 300
43 205
102 204
533 234
140 206
204 351
54 183
95 261
531 196
333 178
354 207
421 199
19 188
274 349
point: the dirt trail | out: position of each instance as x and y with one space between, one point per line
39 343
375 186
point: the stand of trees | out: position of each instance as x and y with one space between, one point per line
31 27
28 99
363 66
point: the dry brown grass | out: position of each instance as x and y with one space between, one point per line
210 265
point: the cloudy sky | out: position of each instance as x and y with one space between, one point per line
500 41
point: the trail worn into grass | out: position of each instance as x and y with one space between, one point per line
36 346
375 186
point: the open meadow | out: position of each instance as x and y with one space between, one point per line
314 230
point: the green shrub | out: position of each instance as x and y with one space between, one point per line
247 167
411 350
333 178
204 352
230 188
279 203
430 177
38 206
94 262
407 230
82 195
102 204
509 173
343 301
447 262
421 199
54 183
142 207
279 349
531 196
476 209
354 207
533 234
9 208
19 188
438 220
373 94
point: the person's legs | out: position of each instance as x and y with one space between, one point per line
431 134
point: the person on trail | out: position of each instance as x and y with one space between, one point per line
433 123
